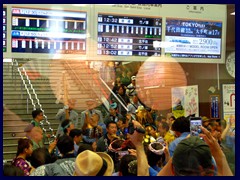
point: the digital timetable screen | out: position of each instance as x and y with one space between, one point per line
48 31
128 35
193 39
4 29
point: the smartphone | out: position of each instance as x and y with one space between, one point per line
195 123
125 130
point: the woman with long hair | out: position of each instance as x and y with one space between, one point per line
24 150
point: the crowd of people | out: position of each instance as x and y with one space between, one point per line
131 140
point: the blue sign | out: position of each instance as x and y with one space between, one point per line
214 107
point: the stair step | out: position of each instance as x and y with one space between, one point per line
38 86
38 92
8 156
13 134
47 111
24 101
40 96
11 128
16 117
10 148
26 116
12 140
44 106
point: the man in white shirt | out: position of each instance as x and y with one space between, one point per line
133 106
131 88
73 115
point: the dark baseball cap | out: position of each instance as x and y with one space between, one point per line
191 153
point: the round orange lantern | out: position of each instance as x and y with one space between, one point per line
154 82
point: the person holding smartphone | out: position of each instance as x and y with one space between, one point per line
217 153
193 157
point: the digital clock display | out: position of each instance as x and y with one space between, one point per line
193 39
48 31
128 35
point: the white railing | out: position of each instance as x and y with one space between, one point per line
21 71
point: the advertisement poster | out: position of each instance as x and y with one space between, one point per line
230 136
185 101
228 95
230 118
193 39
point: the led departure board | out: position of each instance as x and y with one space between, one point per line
193 39
48 31
4 29
128 35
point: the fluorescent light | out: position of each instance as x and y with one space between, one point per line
7 60
80 5
233 13
90 4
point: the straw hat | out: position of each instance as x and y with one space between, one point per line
89 163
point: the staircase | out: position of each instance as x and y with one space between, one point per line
46 78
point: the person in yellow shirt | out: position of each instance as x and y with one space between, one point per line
164 131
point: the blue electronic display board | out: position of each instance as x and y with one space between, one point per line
48 31
193 38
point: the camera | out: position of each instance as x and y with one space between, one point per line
130 129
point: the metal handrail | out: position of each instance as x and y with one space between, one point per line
123 105
24 83
94 78
38 103
36 97
75 75
98 84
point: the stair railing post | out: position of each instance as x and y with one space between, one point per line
12 70
21 90
27 104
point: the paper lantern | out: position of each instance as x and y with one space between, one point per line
155 80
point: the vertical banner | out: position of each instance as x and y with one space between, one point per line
214 106
185 101
228 93
228 100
